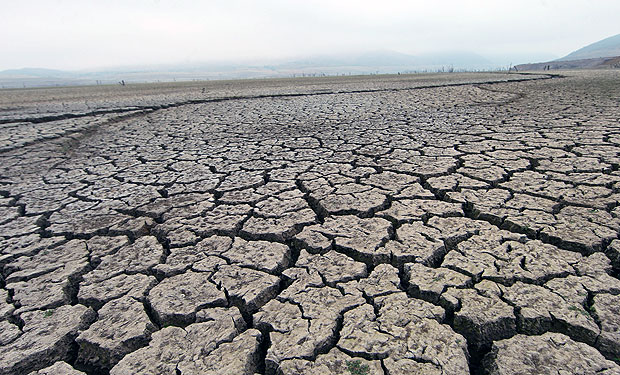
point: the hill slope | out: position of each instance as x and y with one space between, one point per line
607 47
597 63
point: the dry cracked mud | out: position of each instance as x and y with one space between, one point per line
425 224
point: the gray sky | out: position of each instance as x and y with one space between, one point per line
84 34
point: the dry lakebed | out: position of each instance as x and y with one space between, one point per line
462 223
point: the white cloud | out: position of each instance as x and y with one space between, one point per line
87 33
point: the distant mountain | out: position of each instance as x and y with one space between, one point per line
34 72
604 54
608 47
372 62
369 59
596 63
386 58
465 60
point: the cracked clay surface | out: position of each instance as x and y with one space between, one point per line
428 224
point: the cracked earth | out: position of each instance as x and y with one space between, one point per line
431 224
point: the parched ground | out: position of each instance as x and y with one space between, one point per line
432 224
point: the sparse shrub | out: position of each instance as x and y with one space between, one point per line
579 310
357 368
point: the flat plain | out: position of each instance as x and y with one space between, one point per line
406 224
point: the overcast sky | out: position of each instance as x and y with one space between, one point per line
84 34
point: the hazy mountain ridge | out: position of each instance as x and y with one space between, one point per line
604 54
383 61
608 47
391 58
34 72
596 63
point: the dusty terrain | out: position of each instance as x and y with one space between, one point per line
440 224
595 63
